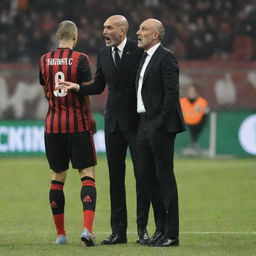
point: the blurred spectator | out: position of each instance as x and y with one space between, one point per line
195 112
194 48
196 29
243 24
224 39
209 45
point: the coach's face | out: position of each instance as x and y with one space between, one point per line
147 34
113 32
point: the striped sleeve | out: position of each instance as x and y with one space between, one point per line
41 67
84 69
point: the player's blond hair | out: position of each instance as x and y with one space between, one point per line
66 30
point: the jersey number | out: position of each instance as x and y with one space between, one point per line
59 92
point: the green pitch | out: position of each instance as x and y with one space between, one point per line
217 210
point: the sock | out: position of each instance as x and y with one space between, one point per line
57 202
88 198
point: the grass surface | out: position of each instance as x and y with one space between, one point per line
217 210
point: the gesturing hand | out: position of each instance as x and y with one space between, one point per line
68 85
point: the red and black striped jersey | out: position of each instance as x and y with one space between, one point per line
67 113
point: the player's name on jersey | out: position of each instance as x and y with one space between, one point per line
60 61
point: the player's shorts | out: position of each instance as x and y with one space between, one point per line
75 147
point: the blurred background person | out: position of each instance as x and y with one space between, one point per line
195 111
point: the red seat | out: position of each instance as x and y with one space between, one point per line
242 48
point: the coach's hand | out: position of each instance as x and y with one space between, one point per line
68 85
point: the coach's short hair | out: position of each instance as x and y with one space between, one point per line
66 30
161 31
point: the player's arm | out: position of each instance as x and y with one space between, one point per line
85 78
91 119
44 90
42 83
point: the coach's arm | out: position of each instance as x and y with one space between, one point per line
90 88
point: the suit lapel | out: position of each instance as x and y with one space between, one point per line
125 58
151 62
110 60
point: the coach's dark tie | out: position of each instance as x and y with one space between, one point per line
142 60
117 58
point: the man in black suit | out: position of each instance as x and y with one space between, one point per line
161 119
116 66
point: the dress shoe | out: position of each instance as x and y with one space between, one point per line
166 241
142 236
156 236
115 239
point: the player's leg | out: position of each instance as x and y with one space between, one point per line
57 155
88 196
88 199
83 158
195 131
59 176
57 202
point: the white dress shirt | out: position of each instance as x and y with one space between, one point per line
120 48
140 104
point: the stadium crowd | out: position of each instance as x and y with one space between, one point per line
195 29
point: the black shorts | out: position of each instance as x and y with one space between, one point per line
62 147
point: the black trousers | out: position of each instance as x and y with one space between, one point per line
117 144
195 131
155 149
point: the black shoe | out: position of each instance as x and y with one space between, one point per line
115 239
142 236
156 236
166 241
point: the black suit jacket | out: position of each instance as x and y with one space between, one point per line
121 101
160 91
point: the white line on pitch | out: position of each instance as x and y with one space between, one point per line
105 233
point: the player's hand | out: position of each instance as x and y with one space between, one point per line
68 85
93 125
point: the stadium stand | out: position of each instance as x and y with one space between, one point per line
195 29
